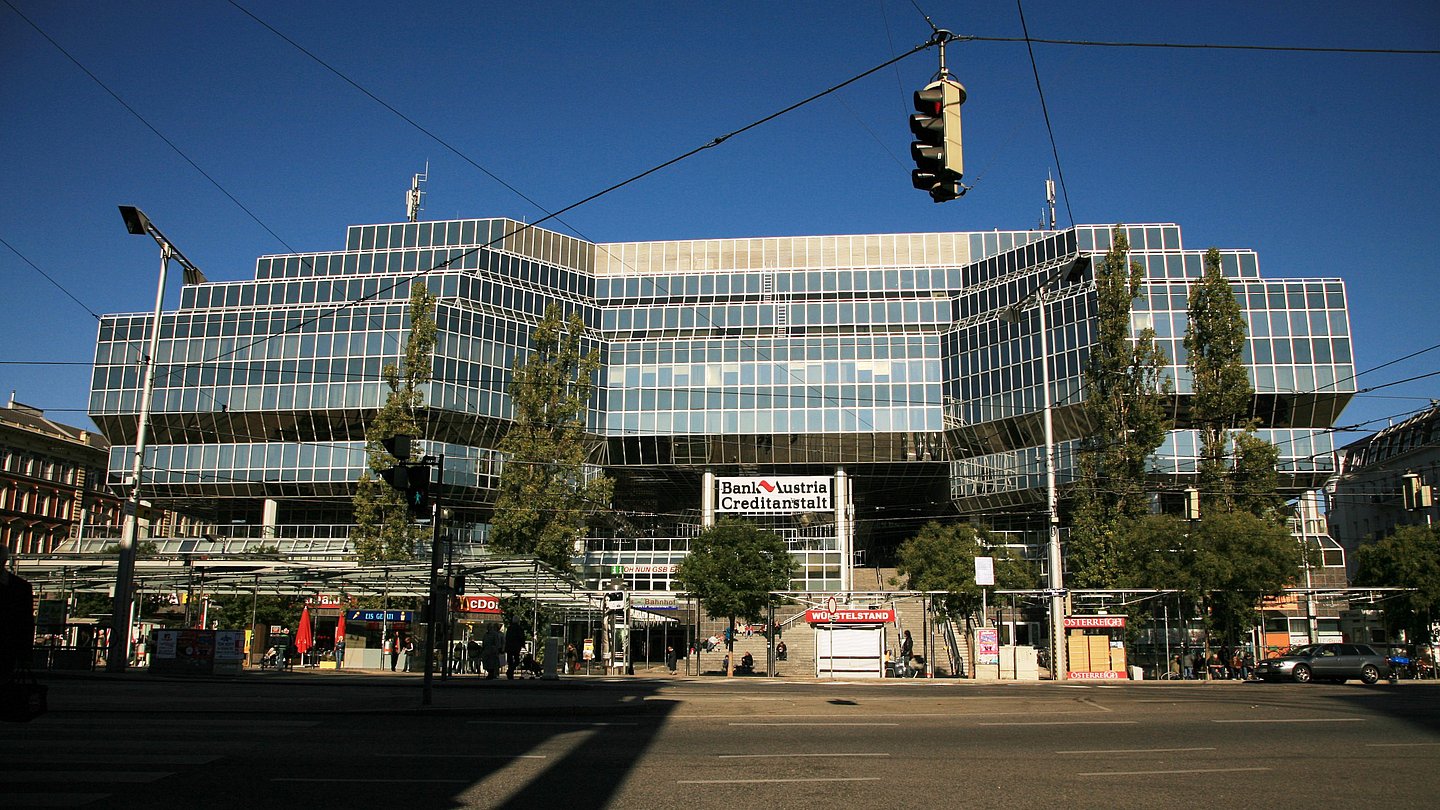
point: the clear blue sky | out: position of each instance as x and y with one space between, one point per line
1323 163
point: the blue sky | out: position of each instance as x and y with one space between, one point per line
1323 163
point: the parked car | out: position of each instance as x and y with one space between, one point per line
1325 662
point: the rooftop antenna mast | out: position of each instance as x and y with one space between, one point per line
1050 197
414 195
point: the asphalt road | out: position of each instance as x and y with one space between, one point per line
307 742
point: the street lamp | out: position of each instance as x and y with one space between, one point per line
118 656
1012 314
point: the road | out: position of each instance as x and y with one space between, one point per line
296 741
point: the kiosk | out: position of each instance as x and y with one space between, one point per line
1096 645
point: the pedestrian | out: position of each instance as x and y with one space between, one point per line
409 652
1187 665
572 660
490 649
514 643
907 650
670 662
17 619
781 651
339 652
392 649
472 656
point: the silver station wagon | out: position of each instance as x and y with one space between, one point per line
1325 662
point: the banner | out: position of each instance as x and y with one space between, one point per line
772 495
1094 621
850 616
477 604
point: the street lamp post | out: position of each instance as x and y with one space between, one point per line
1056 580
118 655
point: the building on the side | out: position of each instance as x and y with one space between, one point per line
52 482
879 363
1366 497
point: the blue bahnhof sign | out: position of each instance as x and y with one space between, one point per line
393 616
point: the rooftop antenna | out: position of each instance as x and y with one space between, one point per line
1050 197
413 196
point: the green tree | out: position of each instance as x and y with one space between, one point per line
234 612
1224 563
1126 391
1237 469
1409 558
1220 402
942 558
732 568
383 527
546 496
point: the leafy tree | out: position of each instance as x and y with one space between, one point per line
1409 558
383 528
732 567
1236 470
1126 390
234 612
1224 563
942 558
546 497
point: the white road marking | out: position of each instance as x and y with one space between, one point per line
467 756
1297 720
813 724
777 781
50 799
792 756
818 724
1398 745
544 723
1159 773
1063 723
352 780
88 777
1133 750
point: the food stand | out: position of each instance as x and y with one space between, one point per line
1096 647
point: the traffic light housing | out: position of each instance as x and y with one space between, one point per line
398 446
414 481
1416 493
938 153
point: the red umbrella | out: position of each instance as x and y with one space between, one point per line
304 637
340 627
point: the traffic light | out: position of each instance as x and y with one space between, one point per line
938 154
615 601
1192 503
398 446
1415 491
414 481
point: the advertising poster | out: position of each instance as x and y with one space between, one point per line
987 646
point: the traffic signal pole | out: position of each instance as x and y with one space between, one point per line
437 565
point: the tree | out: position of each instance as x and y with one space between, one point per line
383 527
1224 562
942 558
1236 470
1124 408
1409 558
732 568
546 496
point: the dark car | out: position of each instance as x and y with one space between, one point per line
1325 662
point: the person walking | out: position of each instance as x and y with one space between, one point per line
514 643
907 650
670 659
490 650
17 619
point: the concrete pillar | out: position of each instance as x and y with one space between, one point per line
707 500
843 530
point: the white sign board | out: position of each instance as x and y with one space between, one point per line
984 570
774 495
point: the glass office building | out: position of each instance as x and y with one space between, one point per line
880 356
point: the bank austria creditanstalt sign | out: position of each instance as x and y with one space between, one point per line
774 495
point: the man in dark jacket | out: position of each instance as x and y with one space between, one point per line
514 643
17 619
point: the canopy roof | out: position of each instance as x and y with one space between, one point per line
249 574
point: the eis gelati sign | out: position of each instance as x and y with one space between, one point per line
773 495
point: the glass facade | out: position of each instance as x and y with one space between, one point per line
886 355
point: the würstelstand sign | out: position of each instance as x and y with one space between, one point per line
774 495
